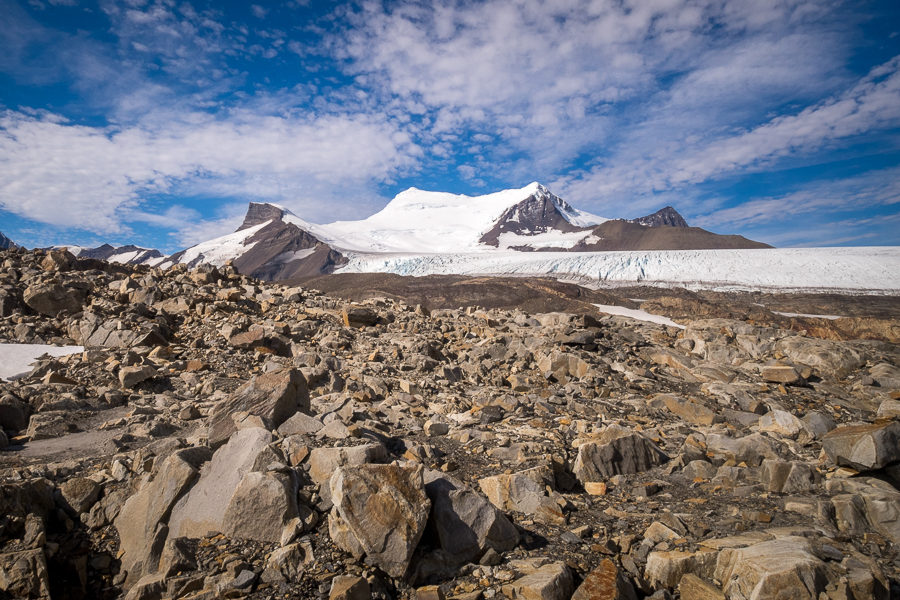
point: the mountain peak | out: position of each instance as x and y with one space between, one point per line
5 242
664 217
260 212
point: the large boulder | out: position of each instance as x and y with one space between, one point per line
52 298
323 462
866 502
142 521
864 447
617 450
772 570
466 523
384 510
827 359
202 510
273 397
525 492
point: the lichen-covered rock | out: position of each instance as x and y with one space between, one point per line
385 509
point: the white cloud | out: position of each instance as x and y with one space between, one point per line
94 178
877 188
871 104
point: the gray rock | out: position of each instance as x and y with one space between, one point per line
323 462
787 477
877 502
142 520
80 493
525 492
260 507
274 397
467 524
617 450
828 359
202 510
385 509
864 447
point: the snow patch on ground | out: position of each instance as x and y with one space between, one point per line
634 313
16 359
547 239
790 314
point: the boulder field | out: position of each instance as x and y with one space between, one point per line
221 437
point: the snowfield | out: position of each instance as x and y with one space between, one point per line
16 359
861 269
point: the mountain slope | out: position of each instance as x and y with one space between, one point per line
624 235
270 244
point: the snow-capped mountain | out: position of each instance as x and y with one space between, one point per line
128 255
273 243
5 242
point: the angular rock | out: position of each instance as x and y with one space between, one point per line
142 520
24 574
787 477
828 359
552 581
695 588
260 507
616 451
772 570
349 587
52 298
606 582
782 423
385 509
131 376
467 524
359 316
80 493
202 510
273 397
864 447
525 492
323 462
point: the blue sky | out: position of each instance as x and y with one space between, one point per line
155 122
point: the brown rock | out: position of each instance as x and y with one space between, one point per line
273 397
606 582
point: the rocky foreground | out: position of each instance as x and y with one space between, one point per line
223 438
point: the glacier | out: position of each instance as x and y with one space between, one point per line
861 269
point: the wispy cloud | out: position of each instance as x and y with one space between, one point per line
91 178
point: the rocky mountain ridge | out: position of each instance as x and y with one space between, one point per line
224 437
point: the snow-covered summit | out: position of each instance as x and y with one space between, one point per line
422 221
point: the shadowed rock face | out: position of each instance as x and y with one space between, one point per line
5 242
664 217
538 213
283 251
258 213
